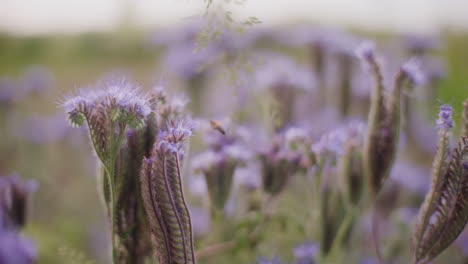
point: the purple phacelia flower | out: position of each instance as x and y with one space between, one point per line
334 141
121 99
445 117
16 249
125 96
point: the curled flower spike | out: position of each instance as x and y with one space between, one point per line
163 199
383 122
444 213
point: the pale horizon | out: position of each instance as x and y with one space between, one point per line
30 17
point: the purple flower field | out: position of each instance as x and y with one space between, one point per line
219 140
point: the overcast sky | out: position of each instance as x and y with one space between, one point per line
61 16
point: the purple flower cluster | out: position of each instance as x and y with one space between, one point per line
121 100
334 141
15 248
445 117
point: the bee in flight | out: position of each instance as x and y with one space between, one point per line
215 125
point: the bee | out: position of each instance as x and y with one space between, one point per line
215 125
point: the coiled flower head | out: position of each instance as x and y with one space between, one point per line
108 110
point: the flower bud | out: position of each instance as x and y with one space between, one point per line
382 137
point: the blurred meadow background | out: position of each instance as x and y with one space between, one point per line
227 58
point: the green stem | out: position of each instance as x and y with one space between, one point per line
115 145
340 236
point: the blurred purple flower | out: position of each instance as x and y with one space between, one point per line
181 34
15 194
334 141
412 68
248 176
37 80
369 260
422 133
261 34
263 260
10 91
225 153
186 62
15 249
282 71
365 50
411 177
201 221
420 44
330 39
305 253
39 129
